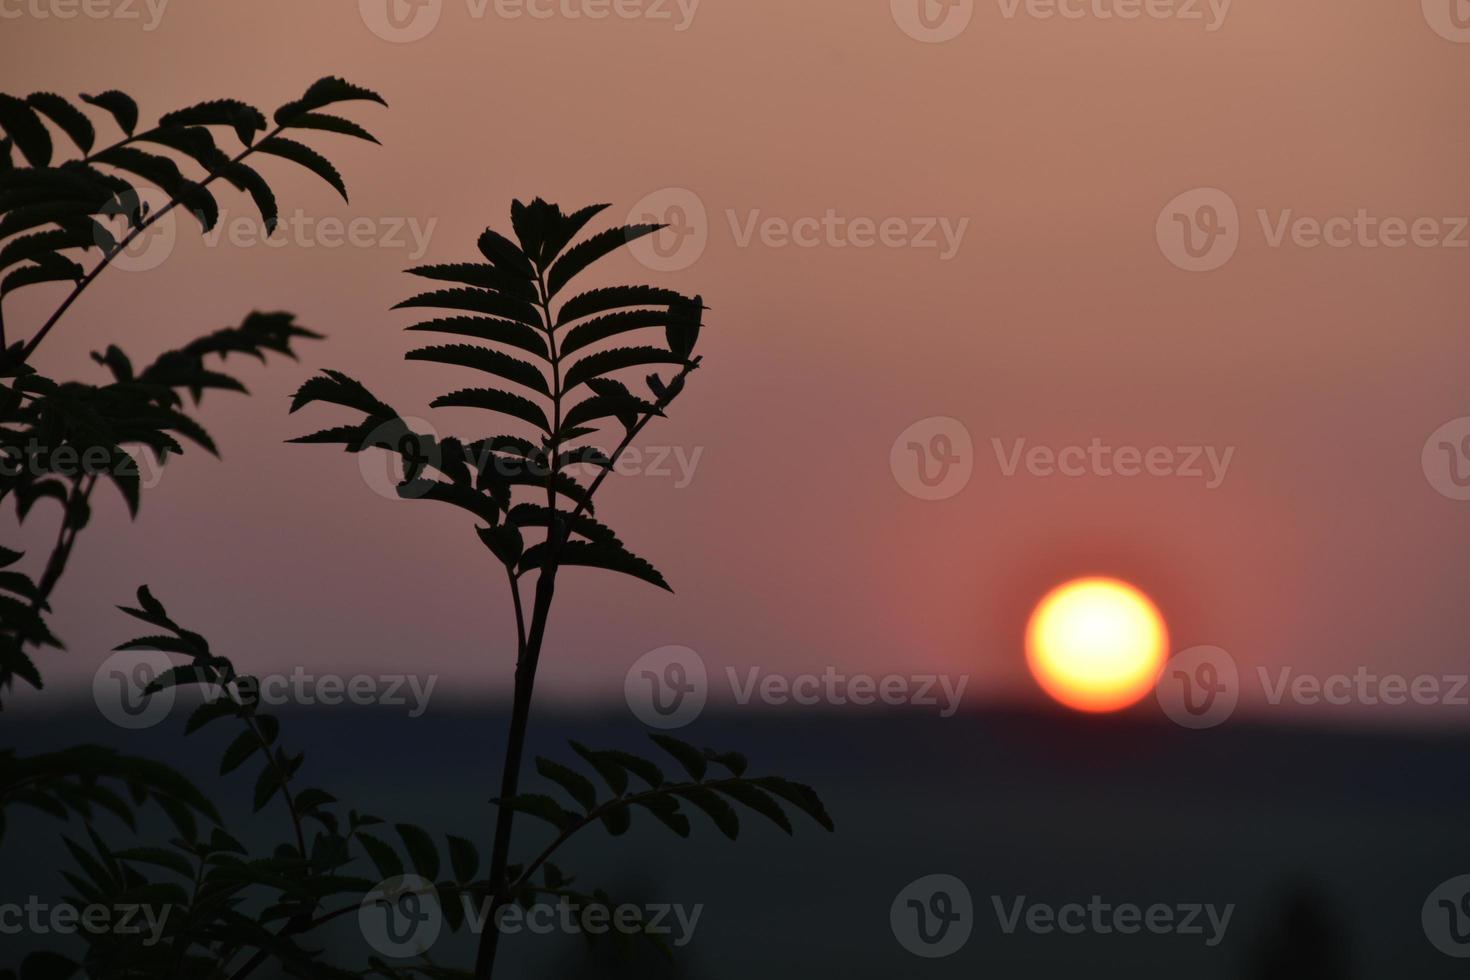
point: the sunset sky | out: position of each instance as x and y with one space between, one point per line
1047 147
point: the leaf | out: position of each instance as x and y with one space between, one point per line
584 253
332 124
481 359
47 268
577 786
338 389
68 117
494 400
266 786
245 119
242 748
243 178
759 801
477 301
482 275
325 92
666 809
594 554
504 542
493 329
307 157
616 359
24 126
601 328
722 813
617 820
463 858
124 110
687 755
611 298
221 707
384 858
801 796
421 849
733 761
611 773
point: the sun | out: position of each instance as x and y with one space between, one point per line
1096 644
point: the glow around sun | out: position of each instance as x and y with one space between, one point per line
1096 644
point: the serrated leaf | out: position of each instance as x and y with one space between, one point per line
124 110
68 117
464 858
384 858
304 155
687 755
420 848
577 786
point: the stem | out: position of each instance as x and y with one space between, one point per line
514 750
529 654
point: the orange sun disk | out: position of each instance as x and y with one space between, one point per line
1096 644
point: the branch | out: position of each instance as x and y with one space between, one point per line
87 279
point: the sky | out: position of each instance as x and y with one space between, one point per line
986 230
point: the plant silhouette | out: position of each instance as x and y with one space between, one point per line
242 910
533 494
58 438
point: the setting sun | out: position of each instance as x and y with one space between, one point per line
1096 644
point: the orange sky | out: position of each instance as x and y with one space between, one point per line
1054 142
